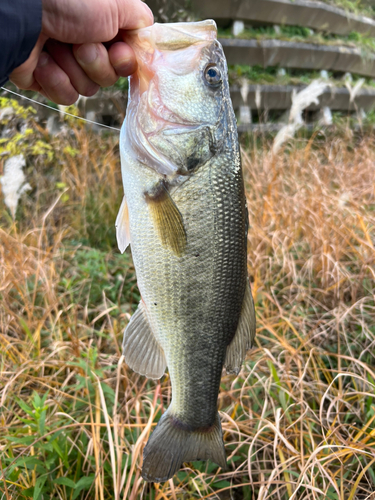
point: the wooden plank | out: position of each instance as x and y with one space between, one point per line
298 56
279 97
316 15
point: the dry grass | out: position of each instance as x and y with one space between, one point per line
299 420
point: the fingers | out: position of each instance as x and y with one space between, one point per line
42 74
86 67
85 21
94 60
134 14
122 58
23 76
54 82
63 56
63 72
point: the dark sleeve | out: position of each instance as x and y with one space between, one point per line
20 25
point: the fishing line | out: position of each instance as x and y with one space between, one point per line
58 110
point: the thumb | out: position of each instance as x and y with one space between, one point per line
23 76
134 14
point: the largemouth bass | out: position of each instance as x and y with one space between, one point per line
184 214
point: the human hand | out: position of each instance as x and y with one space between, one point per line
80 47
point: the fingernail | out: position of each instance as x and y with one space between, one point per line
91 90
126 66
87 53
43 59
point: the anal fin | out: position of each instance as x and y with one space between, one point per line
122 226
245 335
167 218
141 350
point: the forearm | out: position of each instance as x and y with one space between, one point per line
20 26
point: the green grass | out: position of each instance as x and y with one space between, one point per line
360 7
300 417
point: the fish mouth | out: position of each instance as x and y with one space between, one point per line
153 119
172 36
147 115
154 40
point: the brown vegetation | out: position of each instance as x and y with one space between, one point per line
298 421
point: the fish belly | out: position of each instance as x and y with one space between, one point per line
194 300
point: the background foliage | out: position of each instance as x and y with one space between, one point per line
298 421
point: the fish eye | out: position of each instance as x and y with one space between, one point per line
212 75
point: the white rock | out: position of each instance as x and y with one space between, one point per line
244 90
245 115
343 199
238 27
13 182
4 112
92 117
326 116
258 97
53 125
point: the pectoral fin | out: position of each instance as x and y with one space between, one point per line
141 350
167 218
122 227
244 337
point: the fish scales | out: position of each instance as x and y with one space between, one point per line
184 178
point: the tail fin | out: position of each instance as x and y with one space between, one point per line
172 443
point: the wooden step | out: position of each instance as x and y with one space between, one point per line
316 15
298 55
279 97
